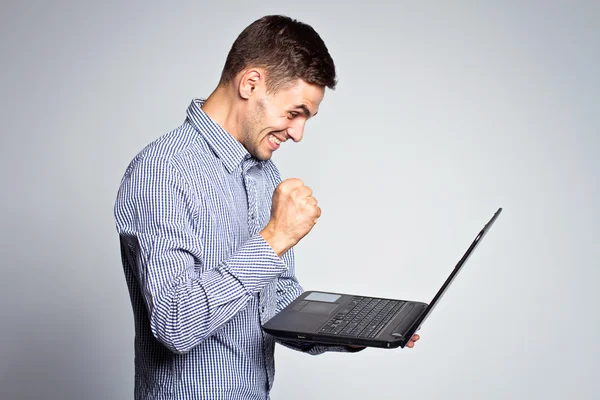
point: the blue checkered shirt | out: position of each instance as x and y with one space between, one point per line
200 276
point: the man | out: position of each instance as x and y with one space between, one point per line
207 227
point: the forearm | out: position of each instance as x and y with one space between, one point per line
191 309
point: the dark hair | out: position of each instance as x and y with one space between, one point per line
286 48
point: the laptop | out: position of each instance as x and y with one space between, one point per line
344 319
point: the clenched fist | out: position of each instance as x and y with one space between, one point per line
294 211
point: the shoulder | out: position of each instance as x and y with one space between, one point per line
168 151
175 144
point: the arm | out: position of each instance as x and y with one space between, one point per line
155 213
294 212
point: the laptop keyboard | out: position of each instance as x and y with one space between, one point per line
363 317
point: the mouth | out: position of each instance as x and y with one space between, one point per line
274 141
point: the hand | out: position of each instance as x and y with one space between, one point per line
294 212
411 342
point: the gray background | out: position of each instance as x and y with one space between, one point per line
444 112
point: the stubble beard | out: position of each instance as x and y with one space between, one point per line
252 133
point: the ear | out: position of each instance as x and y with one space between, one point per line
251 80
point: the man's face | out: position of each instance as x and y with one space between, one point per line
275 118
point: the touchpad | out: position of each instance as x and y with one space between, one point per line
317 307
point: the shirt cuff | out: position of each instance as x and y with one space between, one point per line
255 264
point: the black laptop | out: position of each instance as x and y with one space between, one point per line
335 318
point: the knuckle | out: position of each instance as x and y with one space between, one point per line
285 186
294 182
290 185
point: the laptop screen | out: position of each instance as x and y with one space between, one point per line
454 273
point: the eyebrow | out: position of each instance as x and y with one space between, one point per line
305 110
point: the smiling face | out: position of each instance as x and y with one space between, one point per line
274 118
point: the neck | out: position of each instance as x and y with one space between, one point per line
222 108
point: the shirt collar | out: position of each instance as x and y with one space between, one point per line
231 152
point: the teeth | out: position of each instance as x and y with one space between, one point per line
274 139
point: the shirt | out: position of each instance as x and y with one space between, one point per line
200 276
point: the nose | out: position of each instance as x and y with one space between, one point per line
296 132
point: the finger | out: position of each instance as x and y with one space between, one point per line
410 344
290 184
415 337
311 201
315 220
316 213
302 191
293 181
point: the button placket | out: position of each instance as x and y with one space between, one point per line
252 194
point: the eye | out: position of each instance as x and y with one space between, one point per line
292 114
